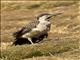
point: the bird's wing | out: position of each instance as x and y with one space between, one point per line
27 28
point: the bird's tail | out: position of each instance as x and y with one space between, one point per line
18 33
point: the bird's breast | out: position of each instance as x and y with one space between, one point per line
42 25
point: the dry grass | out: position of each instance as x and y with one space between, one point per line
64 37
50 58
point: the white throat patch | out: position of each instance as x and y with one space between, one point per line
42 18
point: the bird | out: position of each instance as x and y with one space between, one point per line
36 28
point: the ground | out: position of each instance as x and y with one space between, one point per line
64 36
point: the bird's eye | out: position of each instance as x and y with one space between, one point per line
48 17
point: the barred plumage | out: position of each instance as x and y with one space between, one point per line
26 29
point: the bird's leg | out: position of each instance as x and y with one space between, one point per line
30 40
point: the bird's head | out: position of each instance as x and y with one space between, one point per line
46 16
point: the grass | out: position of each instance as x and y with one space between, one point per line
22 5
64 36
44 49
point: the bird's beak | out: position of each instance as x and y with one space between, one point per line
56 14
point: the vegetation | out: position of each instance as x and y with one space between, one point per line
64 36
